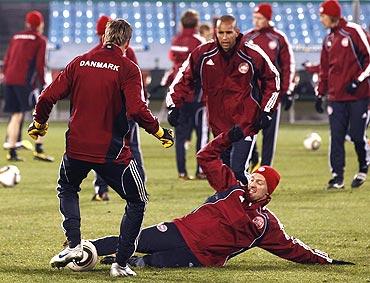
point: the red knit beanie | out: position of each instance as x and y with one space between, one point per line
272 177
330 8
265 9
101 24
34 18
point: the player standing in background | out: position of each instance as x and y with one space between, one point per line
206 31
192 115
240 86
24 72
104 88
344 73
132 139
276 45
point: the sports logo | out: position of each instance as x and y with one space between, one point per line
243 68
259 222
162 227
261 169
328 43
272 44
330 110
345 42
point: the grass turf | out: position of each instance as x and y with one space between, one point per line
335 222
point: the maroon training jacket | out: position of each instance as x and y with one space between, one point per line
24 60
277 47
227 224
237 85
345 57
104 89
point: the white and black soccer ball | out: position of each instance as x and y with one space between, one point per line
89 259
312 141
9 176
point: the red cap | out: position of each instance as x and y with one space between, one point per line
330 8
272 177
101 23
265 9
34 18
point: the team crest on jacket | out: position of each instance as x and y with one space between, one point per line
272 44
243 68
259 222
162 227
345 42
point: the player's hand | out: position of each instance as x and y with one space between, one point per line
352 87
318 104
265 120
166 137
173 116
341 262
36 129
235 134
287 101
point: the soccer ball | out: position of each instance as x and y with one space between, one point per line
89 259
312 141
9 176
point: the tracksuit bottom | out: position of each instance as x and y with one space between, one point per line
100 185
126 180
351 117
163 245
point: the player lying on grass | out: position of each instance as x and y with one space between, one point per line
232 221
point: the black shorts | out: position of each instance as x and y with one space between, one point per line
18 98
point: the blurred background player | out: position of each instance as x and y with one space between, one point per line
24 72
239 85
344 72
192 115
104 88
206 31
132 139
275 43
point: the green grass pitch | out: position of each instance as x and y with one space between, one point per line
335 222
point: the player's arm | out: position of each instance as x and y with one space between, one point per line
287 65
324 70
279 243
137 108
219 176
361 41
40 62
6 56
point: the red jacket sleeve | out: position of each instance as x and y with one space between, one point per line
287 66
324 69
57 90
40 62
361 40
6 56
219 176
182 88
136 106
277 242
268 76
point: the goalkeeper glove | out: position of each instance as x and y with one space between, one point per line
288 101
173 116
318 104
35 129
352 87
166 137
341 262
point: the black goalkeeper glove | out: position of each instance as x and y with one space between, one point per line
36 129
235 134
265 120
318 104
173 116
341 262
352 87
166 137
287 101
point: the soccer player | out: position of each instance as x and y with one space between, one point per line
343 78
276 45
192 115
104 88
132 138
239 85
24 64
229 223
